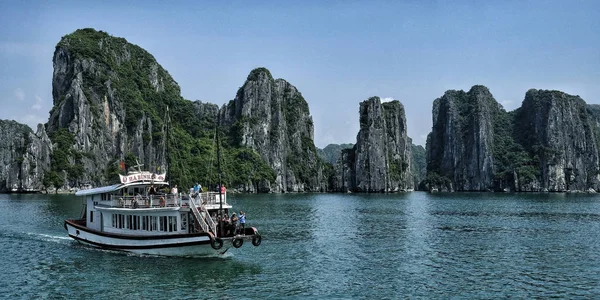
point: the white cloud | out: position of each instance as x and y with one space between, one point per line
387 99
38 103
20 94
506 103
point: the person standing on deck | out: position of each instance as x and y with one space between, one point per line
174 190
234 223
152 190
242 222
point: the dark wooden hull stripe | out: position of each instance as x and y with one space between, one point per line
135 237
141 247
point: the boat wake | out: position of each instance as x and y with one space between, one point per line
35 236
49 238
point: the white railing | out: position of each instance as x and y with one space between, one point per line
198 216
212 197
168 200
209 219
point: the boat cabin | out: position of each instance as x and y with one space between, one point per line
141 205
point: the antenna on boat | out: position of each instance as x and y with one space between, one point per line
138 166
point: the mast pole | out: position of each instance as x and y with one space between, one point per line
168 129
220 182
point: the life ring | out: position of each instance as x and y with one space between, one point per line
256 240
216 243
238 242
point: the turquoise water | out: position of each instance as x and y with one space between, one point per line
329 246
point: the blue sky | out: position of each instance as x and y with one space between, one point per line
337 53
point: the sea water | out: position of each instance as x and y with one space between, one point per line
327 246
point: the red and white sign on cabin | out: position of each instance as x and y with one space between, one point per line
145 176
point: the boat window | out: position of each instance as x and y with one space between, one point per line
163 223
172 224
183 221
129 223
91 216
154 224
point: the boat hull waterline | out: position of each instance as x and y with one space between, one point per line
185 245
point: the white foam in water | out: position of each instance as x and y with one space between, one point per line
48 237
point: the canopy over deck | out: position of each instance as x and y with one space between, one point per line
98 190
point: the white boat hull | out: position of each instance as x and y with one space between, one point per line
163 245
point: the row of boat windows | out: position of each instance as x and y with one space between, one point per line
148 223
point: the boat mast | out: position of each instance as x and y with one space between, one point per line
220 173
168 129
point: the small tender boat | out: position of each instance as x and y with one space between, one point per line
130 217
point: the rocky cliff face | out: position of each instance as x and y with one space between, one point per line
380 161
549 144
460 144
418 166
25 157
101 86
271 117
562 133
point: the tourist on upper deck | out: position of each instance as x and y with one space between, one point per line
152 190
174 190
223 189
196 188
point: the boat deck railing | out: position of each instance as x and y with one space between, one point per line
166 200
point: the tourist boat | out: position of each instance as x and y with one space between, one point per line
127 217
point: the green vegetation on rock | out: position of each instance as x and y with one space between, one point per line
136 85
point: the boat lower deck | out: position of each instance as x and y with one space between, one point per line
190 244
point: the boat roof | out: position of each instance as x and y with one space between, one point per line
98 190
118 186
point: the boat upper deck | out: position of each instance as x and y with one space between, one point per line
118 198
149 190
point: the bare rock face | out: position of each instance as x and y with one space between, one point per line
561 131
271 117
25 157
549 144
459 147
380 161
99 86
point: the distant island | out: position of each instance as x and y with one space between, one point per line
115 106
